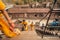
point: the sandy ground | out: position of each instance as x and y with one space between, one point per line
29 35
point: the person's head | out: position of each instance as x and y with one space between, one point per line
20 21
56 19
23 20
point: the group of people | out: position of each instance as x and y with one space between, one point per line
25 26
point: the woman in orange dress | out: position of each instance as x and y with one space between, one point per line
32 26
25 27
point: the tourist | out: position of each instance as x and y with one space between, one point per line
55 23
32 26
42 26
24 25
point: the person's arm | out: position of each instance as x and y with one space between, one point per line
8 18
2 9
6 15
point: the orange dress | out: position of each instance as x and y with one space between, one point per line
25 26
32 26
2 5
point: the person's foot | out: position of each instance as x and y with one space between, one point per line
0 36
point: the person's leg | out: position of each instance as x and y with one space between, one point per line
26 28
0 36
32 28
